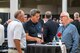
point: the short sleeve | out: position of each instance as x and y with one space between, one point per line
18 31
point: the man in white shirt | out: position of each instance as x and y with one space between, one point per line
16 34
1 33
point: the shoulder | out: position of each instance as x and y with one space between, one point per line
15 23
51 22
48 22
60 27
72 26
26 23
75 22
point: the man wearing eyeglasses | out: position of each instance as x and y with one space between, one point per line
69 32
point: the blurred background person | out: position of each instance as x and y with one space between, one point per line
1 34
54 19
49 28
5 26
76 21
77 24
45 19
26 18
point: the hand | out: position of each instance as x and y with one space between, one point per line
39 40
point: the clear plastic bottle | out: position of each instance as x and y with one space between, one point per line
54 41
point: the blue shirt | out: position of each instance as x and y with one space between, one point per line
70 37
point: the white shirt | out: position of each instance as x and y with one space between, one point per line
1 34
16 31
45 20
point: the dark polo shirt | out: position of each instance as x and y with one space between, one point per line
32 28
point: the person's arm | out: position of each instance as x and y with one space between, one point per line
17 37
75 36
17 44
30 38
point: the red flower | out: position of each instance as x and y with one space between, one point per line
59 34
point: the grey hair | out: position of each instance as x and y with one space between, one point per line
34 11
65 14
48 14
17 13
76 14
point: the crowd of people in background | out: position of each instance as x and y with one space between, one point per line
25 30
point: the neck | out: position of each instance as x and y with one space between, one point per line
20 19
33 20
66 23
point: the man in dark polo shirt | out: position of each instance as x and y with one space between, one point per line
33 27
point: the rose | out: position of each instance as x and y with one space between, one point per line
59 34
